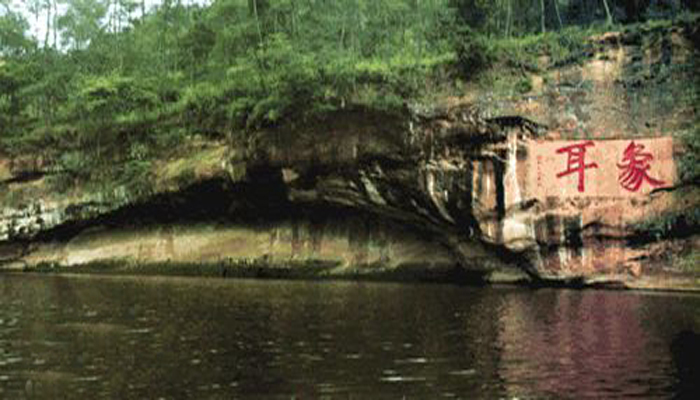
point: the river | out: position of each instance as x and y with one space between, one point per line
90 337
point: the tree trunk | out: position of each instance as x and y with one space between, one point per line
48 25
509 17
294 18
257 21
55 24
542 16
110 23
556 9
609 20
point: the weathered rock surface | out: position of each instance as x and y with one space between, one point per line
437 188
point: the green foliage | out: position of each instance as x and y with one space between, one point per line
672 224
10 83
194 46
201 107
212 69
523 86
136 174
689 163
565 47
286 77
474 52
104 96
13 40
81 22
72 167
689 262
109 75
169 138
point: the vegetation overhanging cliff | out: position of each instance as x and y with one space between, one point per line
342 159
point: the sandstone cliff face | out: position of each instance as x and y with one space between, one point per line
431 188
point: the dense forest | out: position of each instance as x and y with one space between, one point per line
84 81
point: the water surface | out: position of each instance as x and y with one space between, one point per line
151 338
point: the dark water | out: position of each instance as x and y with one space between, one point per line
151 338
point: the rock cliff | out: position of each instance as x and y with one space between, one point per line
433 191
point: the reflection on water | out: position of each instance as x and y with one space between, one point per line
97 337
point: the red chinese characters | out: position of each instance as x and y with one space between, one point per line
597 168
634 166
576 162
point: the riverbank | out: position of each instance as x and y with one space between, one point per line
311 270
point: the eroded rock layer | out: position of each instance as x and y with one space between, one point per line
432 188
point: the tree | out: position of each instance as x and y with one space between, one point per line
509 17
258 9
542 15
609 19
115 69
556 9
13 28
195 46
81 22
